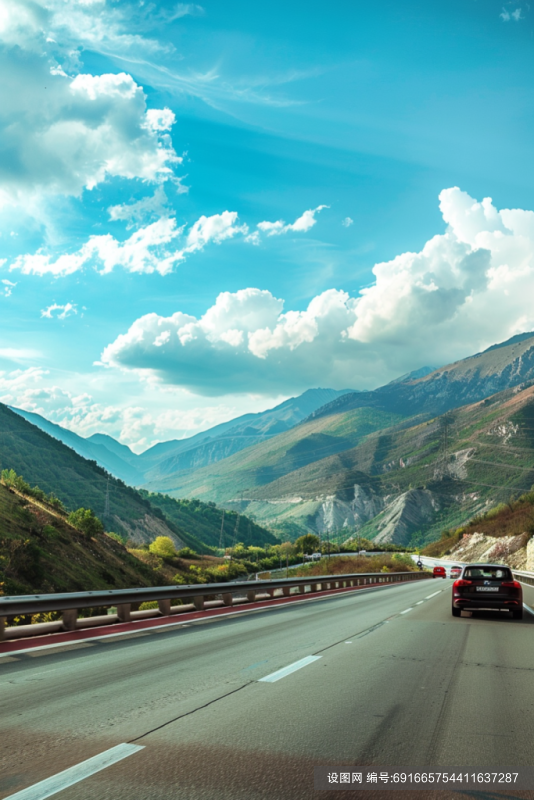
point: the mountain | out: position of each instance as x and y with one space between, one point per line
115 458
230 437
406 484
499 367
45 461
189 454
347 465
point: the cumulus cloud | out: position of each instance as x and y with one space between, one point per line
466 289
154 248
64 131
301 225
157 247
347 222
64 311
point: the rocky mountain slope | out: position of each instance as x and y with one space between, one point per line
396 475
500 367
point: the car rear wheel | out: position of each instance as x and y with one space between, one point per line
456 611
518 614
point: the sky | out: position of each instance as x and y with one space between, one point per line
208 208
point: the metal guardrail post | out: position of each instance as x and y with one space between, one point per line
286 591
124 611
69 619
198 602
227 598
164 607
2 628
251 595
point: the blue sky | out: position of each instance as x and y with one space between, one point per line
194 200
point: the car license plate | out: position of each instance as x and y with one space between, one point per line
487 588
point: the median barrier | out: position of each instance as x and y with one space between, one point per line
227 594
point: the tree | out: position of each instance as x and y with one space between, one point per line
309 543
163 546
84 520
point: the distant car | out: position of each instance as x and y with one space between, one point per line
316 556
439 572
455 572
489 587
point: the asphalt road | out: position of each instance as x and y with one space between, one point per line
419 688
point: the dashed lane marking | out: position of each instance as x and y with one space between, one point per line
433 595
281 673
419 603
57 783
406 610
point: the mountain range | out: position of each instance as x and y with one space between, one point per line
374 461
398 463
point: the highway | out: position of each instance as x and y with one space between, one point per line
389 678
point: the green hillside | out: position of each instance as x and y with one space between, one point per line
426 477
44 461
40 552
271 460
205 520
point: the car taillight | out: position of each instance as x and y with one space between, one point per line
511 584
461 582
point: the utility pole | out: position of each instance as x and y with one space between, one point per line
221 537
106 502
235 530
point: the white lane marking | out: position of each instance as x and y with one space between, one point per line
348 642
281 673
55 784
433 595
528 608
406 610
419 603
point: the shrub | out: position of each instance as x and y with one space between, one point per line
84 520
186 552
163 546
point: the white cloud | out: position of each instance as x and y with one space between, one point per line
8 285
153 248
65 310
301 225
347 222
216 228
64 132
506 15
465 290
156 247
141 211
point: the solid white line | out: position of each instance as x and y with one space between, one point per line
312 596
281 673
433 595
528 608
55 784
406 610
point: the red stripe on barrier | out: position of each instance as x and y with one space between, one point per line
14 646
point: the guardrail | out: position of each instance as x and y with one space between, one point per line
203 596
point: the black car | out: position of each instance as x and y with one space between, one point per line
487 586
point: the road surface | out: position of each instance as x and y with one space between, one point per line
390 678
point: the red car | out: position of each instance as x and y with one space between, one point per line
455 572
439 572
487 586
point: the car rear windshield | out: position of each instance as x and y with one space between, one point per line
488 573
